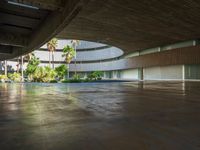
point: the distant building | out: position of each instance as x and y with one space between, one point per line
112 61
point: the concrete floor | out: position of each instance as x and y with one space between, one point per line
100 116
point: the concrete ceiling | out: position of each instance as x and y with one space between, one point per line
135 25
128 24
26 25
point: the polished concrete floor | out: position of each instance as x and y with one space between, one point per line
100 116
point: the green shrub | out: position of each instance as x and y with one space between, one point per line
96 75
3 77
53 81
65 81
44 74
16 77
61 71
76 77
32 66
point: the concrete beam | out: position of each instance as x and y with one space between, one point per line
54 23
50 26
12 39
43 4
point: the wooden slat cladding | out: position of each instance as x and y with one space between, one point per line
189 55
136 24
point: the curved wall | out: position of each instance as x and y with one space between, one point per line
188 55
101 54
154 63
91 55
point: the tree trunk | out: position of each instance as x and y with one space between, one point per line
49 58
75 60
68 71
53 59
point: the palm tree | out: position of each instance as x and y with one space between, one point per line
75 43
51 45
68 53
28 57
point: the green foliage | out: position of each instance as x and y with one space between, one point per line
65 81
75 79
16 77
3 78
61 71
53 81
96 75
68 53
90 76
44 74
33 64
52 44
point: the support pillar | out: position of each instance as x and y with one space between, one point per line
140 74
5 68
22 68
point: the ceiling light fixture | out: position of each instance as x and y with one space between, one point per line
22 5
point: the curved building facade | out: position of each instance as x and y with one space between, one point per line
178 61
90 56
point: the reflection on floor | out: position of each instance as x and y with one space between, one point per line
100 116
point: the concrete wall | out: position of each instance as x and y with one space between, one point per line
94 55
164 73
129 74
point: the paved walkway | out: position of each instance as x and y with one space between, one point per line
100 116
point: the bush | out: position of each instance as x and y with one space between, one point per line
65 81
44 74
53 81
61 71
4 77
96 75
75 79
16 77
32 67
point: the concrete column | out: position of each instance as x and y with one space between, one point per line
159 49
5 68
22 68
183 72
194 43
140 74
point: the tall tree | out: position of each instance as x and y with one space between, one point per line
51 45
33 64
68 54
75 43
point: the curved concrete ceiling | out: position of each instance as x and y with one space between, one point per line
135 25
128 24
